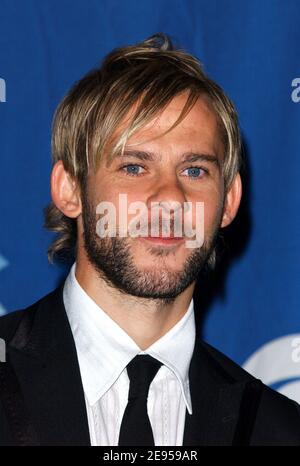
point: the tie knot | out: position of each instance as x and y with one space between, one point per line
141 371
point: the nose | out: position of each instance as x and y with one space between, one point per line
166 206
168 194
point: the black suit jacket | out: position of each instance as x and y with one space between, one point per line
42 400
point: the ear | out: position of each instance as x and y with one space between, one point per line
232 201
64 191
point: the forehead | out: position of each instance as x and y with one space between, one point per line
199 129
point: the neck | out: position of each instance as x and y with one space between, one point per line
144 320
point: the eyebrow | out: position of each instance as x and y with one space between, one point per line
186 157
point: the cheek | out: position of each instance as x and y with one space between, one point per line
108 188
212 211
121 203
107 192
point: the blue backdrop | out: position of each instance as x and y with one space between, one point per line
249 47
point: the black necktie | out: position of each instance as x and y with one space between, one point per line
135 427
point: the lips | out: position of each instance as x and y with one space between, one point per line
163 240
165 237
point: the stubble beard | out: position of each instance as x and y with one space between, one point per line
113 260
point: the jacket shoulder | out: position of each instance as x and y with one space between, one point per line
10 322
231 369
277 420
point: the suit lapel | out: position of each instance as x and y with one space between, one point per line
216 401
43 355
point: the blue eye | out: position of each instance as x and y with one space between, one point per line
195 172
136 170
132 169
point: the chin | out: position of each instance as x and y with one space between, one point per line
154 266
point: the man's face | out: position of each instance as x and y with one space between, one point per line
154 267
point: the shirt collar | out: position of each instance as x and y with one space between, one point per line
104 349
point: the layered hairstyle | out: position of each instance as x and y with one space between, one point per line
145 76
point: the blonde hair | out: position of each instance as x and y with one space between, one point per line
146 76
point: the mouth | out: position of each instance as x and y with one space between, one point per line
163 241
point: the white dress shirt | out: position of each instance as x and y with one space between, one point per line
104 349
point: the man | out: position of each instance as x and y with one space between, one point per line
113 355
